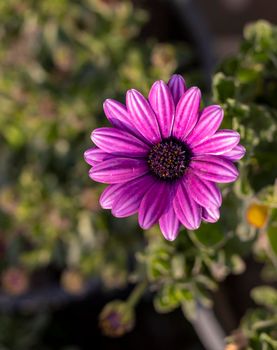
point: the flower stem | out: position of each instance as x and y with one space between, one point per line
136 294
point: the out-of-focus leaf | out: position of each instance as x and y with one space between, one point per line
272 231
209 235
166 300
223 87
265 295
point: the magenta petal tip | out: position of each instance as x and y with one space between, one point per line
236 153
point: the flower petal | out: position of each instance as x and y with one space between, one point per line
214 168
186 113
162 103
95 155
236 153
153 204
169 224
219 143
186 209
177 86
128 200
205 193
118 170
211 214
109 195
117 115
208 123
119 142
143 116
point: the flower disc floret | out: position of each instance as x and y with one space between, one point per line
169 159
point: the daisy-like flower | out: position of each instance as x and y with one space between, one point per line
163 156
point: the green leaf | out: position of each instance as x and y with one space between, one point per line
272 231
206 282
223 87
269 340
209 235
166 300
183 293
178 266
237 264
265 295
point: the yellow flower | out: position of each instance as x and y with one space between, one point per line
231 346
72 281
257 215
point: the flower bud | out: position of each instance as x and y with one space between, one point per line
72 281
114 277
163 57
116 319
15 281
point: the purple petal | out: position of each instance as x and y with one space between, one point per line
129 197
109 195
219 143
143 116
205 193
95 155
153 204
118 170
214 168
186 209
169 224
177 86
117 115
186 113
236 153
208 123
211 214
119 142
162 103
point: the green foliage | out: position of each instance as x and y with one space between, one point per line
209 236
246 85
259 326
266 296
188 270
59 61
21 333
272 231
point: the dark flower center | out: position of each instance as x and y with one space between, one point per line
169 159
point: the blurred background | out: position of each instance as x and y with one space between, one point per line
62 258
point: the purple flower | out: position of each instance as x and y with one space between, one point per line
163 157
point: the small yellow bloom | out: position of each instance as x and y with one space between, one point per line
72 281
231 346
257 215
